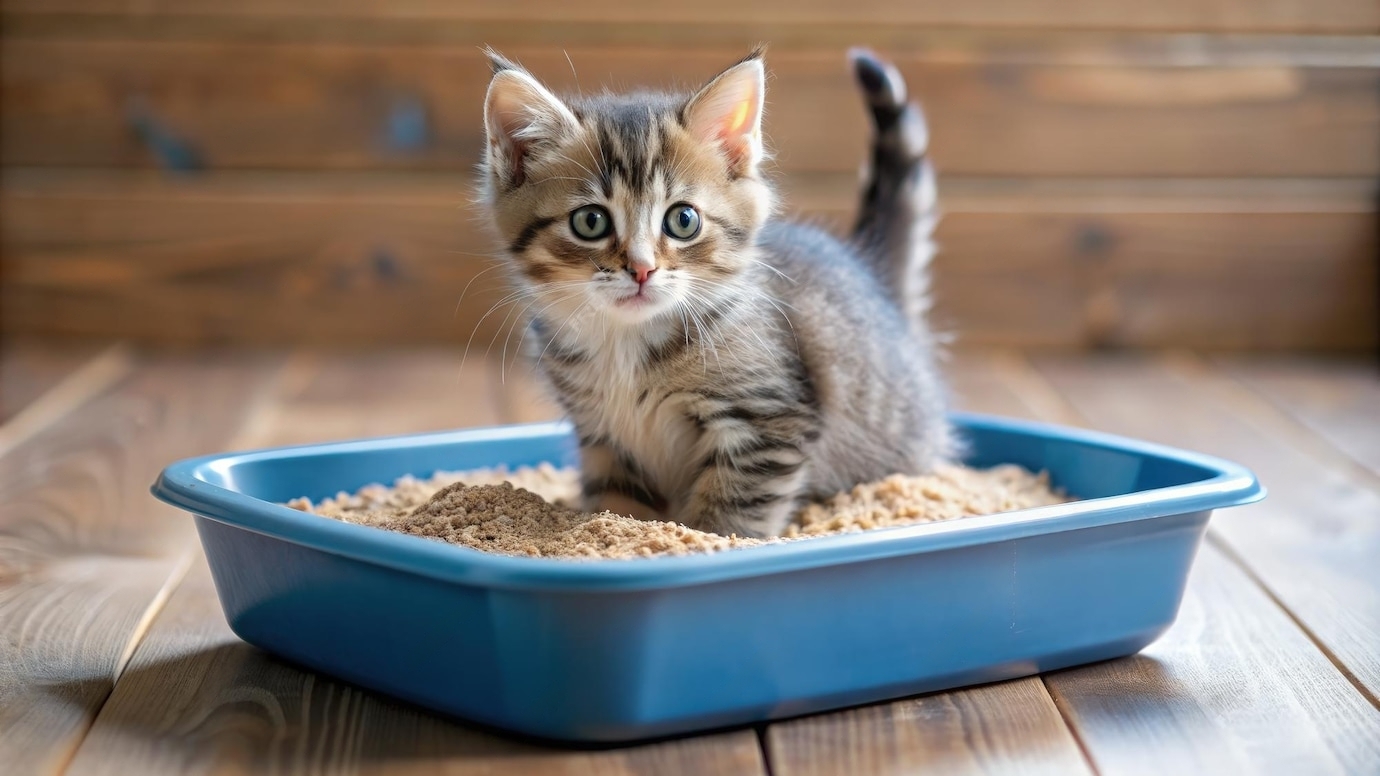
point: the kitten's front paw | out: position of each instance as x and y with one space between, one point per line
733 523
621 504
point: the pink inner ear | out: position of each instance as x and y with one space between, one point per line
736 133
728 112
508 150
720 118
739 118
504 121
518 112
508 116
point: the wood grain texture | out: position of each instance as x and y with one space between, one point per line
358 259
398 105
1312 543
1338 400
195 699
29 368
1349 16
330 396
998 45
66 392
1006 728
1234 686
302 260
86 555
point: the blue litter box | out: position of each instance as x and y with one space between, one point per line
617 650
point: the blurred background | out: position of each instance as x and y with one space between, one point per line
1114 173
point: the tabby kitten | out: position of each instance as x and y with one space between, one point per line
721 367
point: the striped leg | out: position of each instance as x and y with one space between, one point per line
610 484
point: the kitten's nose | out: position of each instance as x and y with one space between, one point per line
641 272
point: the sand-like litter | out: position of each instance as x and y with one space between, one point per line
531 511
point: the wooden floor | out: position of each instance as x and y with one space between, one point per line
115 657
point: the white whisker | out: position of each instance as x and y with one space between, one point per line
506 300
784 276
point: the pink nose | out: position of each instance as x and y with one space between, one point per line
641 272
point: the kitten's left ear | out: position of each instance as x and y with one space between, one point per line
519 115
728 112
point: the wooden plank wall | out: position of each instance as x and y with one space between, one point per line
1185 173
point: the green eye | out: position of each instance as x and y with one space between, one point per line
591 222
682 221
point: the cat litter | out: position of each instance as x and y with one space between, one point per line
530 511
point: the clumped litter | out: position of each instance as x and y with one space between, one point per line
531 511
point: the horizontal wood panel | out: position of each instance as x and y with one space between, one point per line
98 103
984 43
1207 15
359 259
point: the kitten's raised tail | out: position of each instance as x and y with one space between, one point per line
898 214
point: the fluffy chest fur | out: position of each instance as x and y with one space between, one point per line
619 400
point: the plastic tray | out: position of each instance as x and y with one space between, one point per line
604 651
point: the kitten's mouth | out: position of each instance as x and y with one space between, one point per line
634 301
640 305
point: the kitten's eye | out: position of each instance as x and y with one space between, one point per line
591 222
682 222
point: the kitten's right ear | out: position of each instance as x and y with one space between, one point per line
727 113
519 113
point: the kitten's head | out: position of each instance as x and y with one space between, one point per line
635 206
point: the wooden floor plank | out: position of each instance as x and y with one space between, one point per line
47 387
1312 542
196 699
1338 399
86 555
28 368
1007 728
1233 687
341 395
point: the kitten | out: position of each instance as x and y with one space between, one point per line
720 367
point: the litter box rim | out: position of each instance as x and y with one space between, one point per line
188 484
